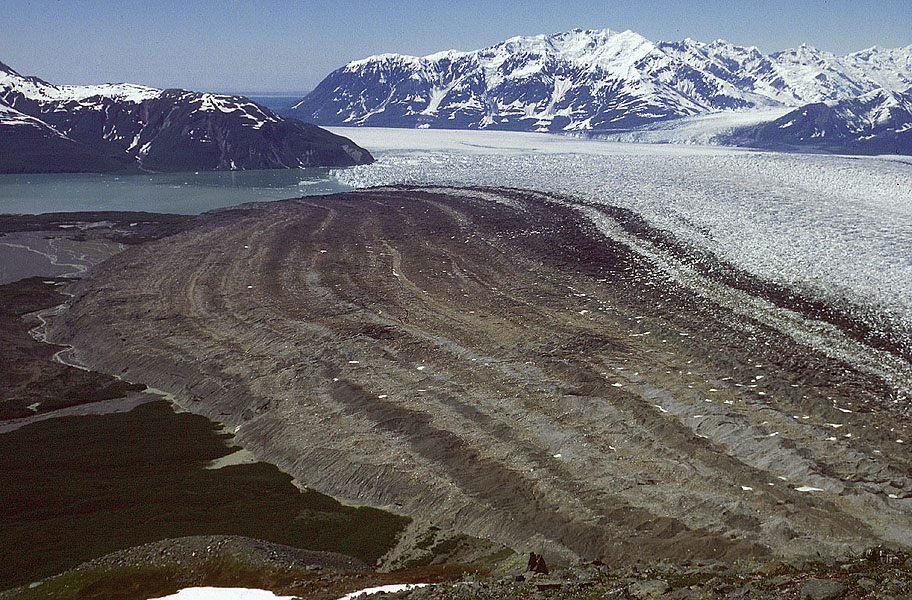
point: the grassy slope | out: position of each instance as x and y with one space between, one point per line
28 373
76 488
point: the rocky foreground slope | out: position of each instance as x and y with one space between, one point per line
124 127
511 365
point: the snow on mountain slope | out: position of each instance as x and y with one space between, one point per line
761 79
223 593
10 117
598 80
39 90
878 122
28 144
169 130
889 68
575 80
816 75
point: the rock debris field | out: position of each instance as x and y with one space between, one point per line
512 365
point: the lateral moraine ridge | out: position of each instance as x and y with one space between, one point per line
488 360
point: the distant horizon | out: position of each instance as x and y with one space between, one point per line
241 91
276 93
286 47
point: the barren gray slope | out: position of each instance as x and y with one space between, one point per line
490 361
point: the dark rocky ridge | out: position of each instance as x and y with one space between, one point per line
879 575
123 128
32 146
201 548
875 123
486 360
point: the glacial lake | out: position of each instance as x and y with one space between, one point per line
184 193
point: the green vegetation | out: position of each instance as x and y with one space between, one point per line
128 582
139 582
28 373
425 542
31 294
76 488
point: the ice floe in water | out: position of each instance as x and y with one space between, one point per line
837 228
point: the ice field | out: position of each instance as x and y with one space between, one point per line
837 228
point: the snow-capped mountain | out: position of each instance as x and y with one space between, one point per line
878 122
889 68
125 126
590 80
29 145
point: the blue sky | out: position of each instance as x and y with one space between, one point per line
273 45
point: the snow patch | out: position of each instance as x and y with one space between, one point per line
387 589
216 593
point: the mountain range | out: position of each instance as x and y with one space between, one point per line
597 81
878 122
125 127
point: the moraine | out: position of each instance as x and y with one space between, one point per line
183 193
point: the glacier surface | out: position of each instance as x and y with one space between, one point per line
833 227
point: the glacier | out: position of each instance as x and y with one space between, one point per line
832 227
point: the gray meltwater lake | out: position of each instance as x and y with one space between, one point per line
184 193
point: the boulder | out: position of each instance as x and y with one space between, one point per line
821 589
650 588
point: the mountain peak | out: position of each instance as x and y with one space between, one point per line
887 98
804 48
125 126
388 57
589 79
876 122
445 54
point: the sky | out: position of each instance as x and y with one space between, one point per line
288 45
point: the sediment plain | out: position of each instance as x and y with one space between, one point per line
492 361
